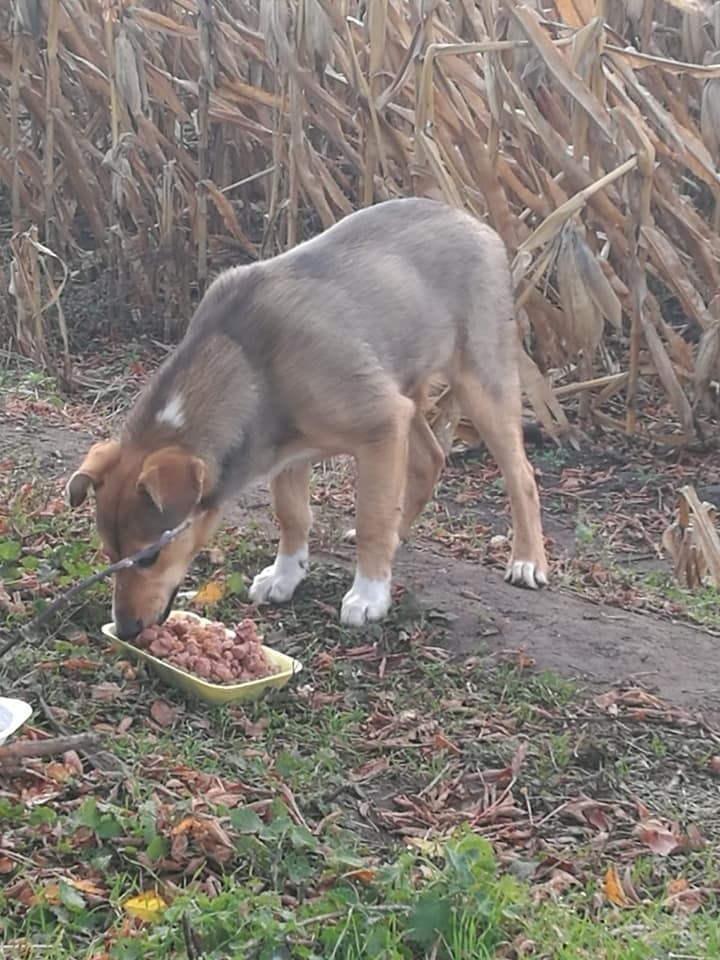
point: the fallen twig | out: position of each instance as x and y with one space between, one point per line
30 749
193 944
101 760
29 630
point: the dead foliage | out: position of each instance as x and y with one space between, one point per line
692 541
160 140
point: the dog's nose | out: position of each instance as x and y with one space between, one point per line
127 628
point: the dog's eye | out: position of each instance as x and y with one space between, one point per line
148 561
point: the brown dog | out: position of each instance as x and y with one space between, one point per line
323 350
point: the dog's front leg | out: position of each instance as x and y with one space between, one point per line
291 502
381 479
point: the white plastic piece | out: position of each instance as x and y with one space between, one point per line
13 714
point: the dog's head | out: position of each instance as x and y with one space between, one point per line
138 496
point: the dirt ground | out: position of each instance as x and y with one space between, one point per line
581 627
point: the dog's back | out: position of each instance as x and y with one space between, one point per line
408 286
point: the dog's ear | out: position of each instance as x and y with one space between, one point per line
101 457
174 480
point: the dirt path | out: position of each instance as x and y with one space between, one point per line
557 629
569 635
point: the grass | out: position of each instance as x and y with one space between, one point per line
396 801
644 933
701 605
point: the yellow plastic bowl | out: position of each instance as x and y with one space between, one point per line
195 686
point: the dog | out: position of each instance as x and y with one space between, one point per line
323 350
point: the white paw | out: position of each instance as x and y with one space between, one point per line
350 536
366 601
525 573
278 582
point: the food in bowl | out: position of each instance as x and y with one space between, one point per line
208 649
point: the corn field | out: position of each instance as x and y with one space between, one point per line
154 142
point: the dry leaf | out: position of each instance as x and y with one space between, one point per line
703 8
560 881
441 742
628 886
677 886
707 368
324 661
73 762
682 898
184 826
694 840
636 697
363 874
692 540
125 725
665 255
50 893
583 320
88 887
127 73
211 593
589 811
613 888
529 22
519 758
607 701
372 768
106 692
657 837
255 729
147 906
58 771
162 713
710 117
226 211
179 847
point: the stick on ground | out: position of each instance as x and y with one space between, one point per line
27 749
29 631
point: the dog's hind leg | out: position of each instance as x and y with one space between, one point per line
425 461
495 411
291 502
382 465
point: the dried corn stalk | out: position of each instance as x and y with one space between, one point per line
706 376
692 541
183 137
31 282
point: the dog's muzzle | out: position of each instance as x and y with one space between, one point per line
127 628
